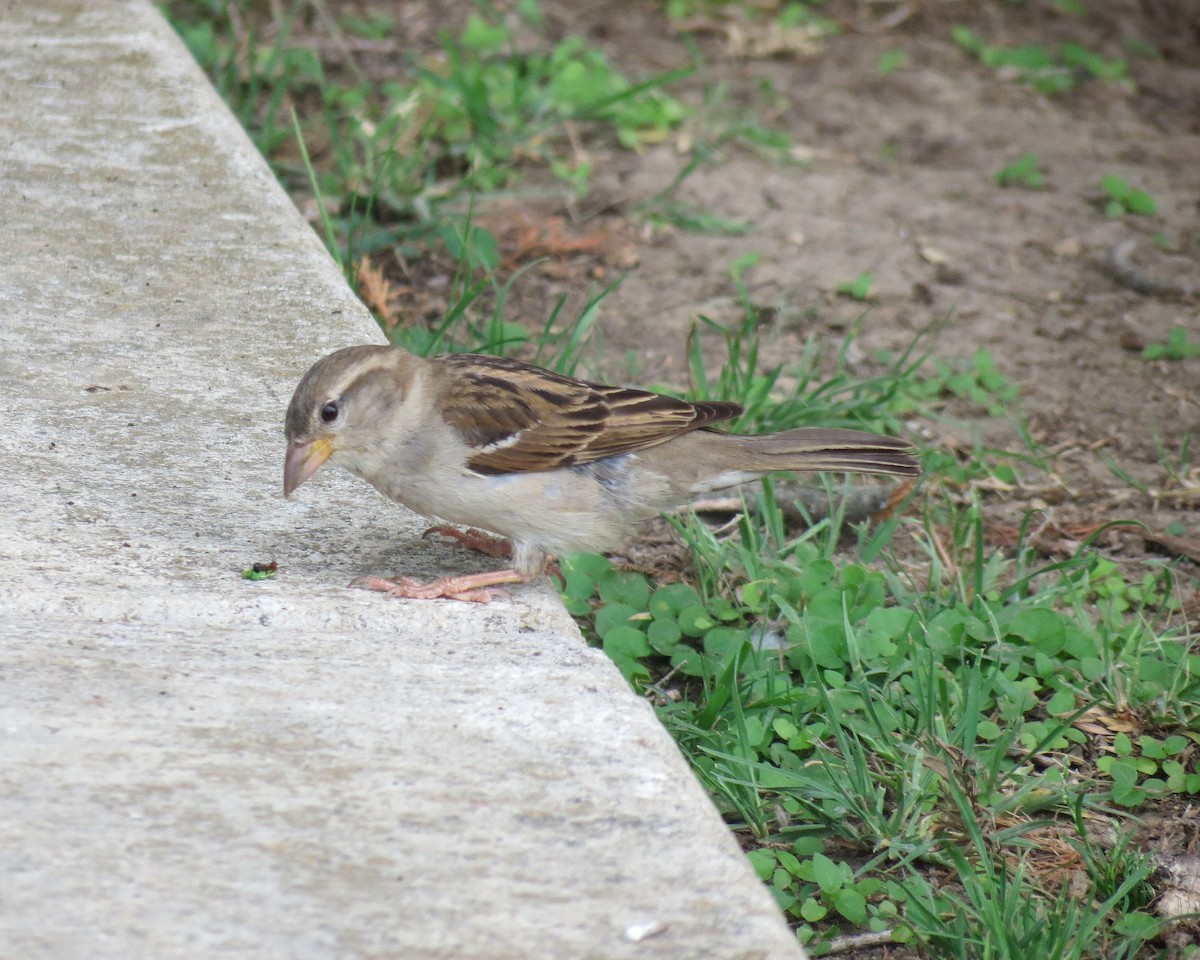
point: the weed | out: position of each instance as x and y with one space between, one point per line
1004 911
977 381
831 702
890 61
800 393
1178 346
1041 68
859 288
829 706
1123 198
789 14
403 155
1022 172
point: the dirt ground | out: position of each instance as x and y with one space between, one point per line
896 178
898 181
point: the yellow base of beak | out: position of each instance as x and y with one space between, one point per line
303 460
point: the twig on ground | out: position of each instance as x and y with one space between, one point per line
857 941
1120 266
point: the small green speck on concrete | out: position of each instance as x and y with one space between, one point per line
260 571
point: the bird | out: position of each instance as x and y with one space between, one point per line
535 463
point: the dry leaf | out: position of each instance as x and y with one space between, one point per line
931 254
1179 546
378 293
1100 723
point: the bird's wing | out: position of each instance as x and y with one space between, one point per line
518 418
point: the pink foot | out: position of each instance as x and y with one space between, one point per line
473 539
472 588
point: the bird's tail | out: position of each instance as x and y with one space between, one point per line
817 448
805 449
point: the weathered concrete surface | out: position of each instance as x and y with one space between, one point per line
192 765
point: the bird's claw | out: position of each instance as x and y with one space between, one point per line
473 539
464 588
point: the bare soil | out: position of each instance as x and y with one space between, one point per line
895 177
900 174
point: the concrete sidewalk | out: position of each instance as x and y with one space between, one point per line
193 765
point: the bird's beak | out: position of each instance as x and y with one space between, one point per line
303 460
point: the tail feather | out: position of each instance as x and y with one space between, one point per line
817 448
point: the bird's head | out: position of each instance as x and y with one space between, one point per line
342 409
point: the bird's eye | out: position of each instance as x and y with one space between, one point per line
329 412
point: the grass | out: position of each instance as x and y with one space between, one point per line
1047 69
1022 172
938 745
1177 346
873 725
401 160
1123 198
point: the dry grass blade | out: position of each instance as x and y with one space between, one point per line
378 293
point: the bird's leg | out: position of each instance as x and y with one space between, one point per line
473 539
471 587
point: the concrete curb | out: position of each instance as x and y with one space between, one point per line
195 765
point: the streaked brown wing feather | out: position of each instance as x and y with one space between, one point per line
521 418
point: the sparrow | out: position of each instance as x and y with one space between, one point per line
548 463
